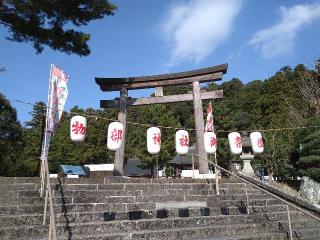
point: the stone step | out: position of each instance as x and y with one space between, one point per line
114 180
31 219
22 201
306 233
227 191
193 227
146 188
154 224
243 196
175 236
19 187
155 180
241 203
130 203
19 180
234 186
213 233
138 186
19 193
100 193
111 215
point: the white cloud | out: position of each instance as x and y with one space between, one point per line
280 37
196 28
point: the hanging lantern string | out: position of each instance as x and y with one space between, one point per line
170 127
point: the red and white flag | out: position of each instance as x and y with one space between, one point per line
57 97
209 124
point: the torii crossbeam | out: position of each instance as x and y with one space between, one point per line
194 77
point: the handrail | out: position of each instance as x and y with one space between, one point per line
256 186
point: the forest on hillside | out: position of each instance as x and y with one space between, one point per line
286 105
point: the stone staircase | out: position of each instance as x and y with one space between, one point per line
139 208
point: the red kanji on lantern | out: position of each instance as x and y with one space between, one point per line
157 139
184 141
116 135
78 128
213 141
260 142
238 142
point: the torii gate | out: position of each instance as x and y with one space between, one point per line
194 77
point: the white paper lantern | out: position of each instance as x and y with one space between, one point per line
78 128
153 140
115 136
256 142
210 142
235 143
182 142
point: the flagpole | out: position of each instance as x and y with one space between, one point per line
54 106
216 173
210 128
44 144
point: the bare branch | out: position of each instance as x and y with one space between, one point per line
310 88
6 24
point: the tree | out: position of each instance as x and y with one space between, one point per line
45 22
92 150
10 139
276 155
309 157
310 86
33 137
136 144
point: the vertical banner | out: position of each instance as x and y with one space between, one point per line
58 93
57 96
211 137
209 123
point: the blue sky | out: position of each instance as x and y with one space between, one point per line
256 38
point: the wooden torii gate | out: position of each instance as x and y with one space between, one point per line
194 77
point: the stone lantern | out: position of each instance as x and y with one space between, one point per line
246 155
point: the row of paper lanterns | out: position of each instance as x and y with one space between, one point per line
78 126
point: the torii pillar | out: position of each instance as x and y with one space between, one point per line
199 124
194 77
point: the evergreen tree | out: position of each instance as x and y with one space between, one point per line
10 139
46 22
33 137
309 159
93 150
136 144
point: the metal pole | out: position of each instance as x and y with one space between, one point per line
289 222
53 226
247 198
157 166
50 229
45 161
42 175
45 208
216 173
44 152
192 158
43 126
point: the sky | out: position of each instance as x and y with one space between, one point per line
255 38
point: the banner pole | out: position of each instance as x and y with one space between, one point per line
44 143
216 173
